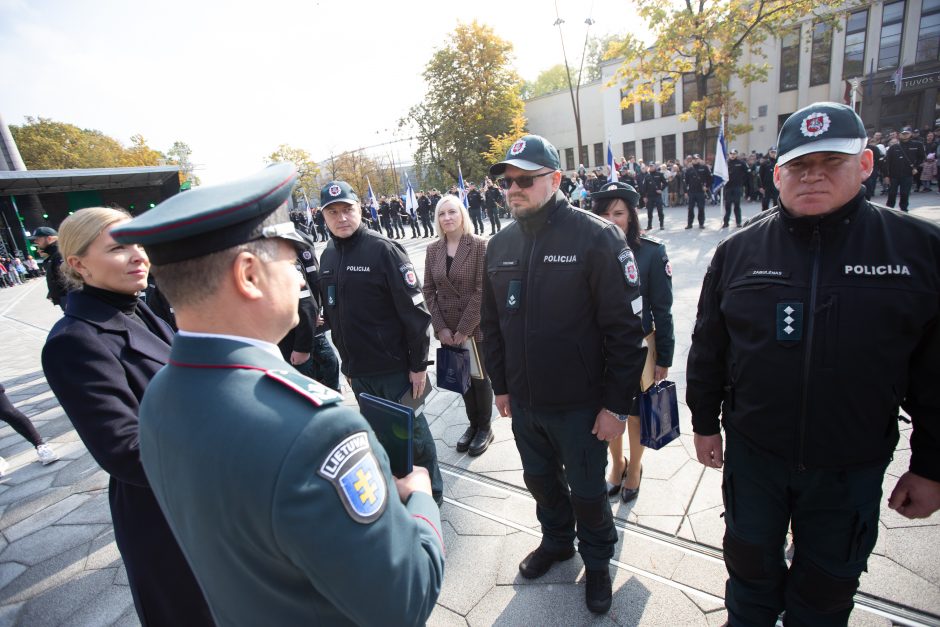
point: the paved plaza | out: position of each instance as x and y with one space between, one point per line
59 564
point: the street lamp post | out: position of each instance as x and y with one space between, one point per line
574 91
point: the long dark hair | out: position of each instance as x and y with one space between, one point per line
633 229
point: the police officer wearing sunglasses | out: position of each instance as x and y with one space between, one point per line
563 349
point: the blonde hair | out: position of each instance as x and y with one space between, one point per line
450 198
78 231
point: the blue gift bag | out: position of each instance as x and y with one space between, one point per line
453 369
659 415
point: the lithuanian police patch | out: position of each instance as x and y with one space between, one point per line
630 272
353 470
408 274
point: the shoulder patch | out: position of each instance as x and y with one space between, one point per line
307 255
667 266
408 274
314 391
353 470
628 263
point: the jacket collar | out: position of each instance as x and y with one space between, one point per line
545 215
841 217
218 352
352 240
110 320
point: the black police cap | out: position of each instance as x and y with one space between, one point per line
530 152
624 191
821 127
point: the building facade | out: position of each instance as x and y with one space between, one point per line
808 63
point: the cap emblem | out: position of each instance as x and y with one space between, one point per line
334 191
611 187
815 124
518 147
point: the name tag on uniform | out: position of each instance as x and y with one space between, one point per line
514 295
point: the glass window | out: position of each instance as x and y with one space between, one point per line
626 113
629 149
649 150
856 28
892 27
790 60
669 147
599 155
647 111
928 35
669 106
584 156
569 159
822 55
692 144
689 91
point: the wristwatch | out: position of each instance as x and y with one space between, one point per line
620 417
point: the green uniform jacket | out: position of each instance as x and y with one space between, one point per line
656 289
282 500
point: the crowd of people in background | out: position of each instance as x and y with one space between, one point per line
17 271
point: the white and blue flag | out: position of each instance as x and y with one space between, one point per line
373 203
720 171
612 177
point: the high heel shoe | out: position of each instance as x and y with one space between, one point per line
613 489
630 494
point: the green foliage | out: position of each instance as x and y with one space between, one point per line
179 155
550 80
307 168
359 169
472 93
715 40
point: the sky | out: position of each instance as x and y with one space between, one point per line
234 79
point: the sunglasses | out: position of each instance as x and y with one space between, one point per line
524 182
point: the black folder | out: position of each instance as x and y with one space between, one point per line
417 404
393 425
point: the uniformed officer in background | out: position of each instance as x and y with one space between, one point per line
765 174
697 177
281 499
734 189
373 304
563 349
814 324
47 241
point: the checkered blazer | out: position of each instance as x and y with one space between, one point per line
454 299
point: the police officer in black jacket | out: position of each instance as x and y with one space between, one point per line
493 198
697 180
737 181
475 209
903 161
815 324
424 213
46 240
563 349
652 190
373 304
765 175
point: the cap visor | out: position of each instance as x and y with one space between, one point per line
522 164
851 146
330 202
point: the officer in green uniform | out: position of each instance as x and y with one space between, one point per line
281 498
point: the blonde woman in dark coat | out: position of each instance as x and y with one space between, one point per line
453 289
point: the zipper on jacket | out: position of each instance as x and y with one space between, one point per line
525 319
816 247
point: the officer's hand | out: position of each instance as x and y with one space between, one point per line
418 480
660 373
297 359
459 338
887 180
418 379
607 427
915 496
446 337
708 450
502 405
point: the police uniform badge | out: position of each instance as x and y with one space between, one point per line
334 191
628 263
307 255
408 274
517 148
667 266
354 471
815 124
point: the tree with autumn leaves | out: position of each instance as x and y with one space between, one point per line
472 93
714 41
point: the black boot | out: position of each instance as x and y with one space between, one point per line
598 592
481 441
539 561
468 436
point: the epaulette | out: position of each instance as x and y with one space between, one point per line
314 391
650 238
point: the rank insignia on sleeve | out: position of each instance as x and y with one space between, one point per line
630 272
353 470
408 274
